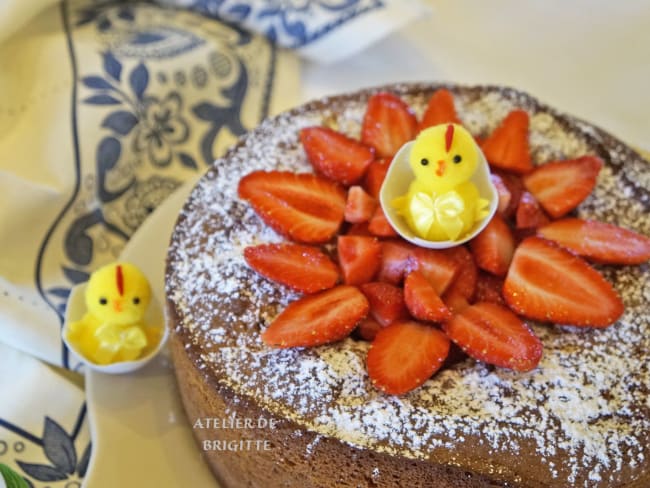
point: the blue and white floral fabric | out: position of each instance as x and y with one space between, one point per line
106 107
323 31
43 431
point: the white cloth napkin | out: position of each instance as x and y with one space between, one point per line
106 107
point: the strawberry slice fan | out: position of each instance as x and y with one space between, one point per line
531 262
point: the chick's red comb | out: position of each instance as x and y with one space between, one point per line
120 280
449 137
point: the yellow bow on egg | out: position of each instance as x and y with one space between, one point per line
443 211
126 341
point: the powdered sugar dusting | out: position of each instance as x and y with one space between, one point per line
585 411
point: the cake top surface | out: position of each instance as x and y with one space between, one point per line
582 417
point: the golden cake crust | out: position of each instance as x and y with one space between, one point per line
581 419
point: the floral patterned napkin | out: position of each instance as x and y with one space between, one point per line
107 106
323 31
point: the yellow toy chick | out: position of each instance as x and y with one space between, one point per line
442 203
113 330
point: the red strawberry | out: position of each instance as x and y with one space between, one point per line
435 266
493 247
359 207
529 213
396 260
507 147
546 282
303 207
302 268
489 289
368 328
504 194
359 257
521 234
379 225
598 241
386 302
455 301
335 155
464 283
375 176
359 229
515 187
388 124
404 355
493 334
440 110
328 316
422 301
560 186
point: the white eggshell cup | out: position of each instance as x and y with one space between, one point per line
396 184
77 308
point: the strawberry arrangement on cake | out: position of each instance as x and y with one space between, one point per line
517 359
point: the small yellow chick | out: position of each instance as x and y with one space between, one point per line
442 203
113 330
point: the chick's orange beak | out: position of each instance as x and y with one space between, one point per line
441 167
117 305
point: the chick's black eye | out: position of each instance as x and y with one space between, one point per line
136 300
103 301
457 158
424 161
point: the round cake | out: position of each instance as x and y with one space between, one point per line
581 418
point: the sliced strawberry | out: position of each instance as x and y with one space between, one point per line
439 269
464 283
489 289
302 268
359 207
404 355
529 214
546 282
399 257
379 225
375 176
396 260
328 316
359 229
507 147
504 194
335 155
494 246
515 186
359 257
440 110
598 241
303 207
386 302
493 334
560 186
388 124
368 328
422 301
455 301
